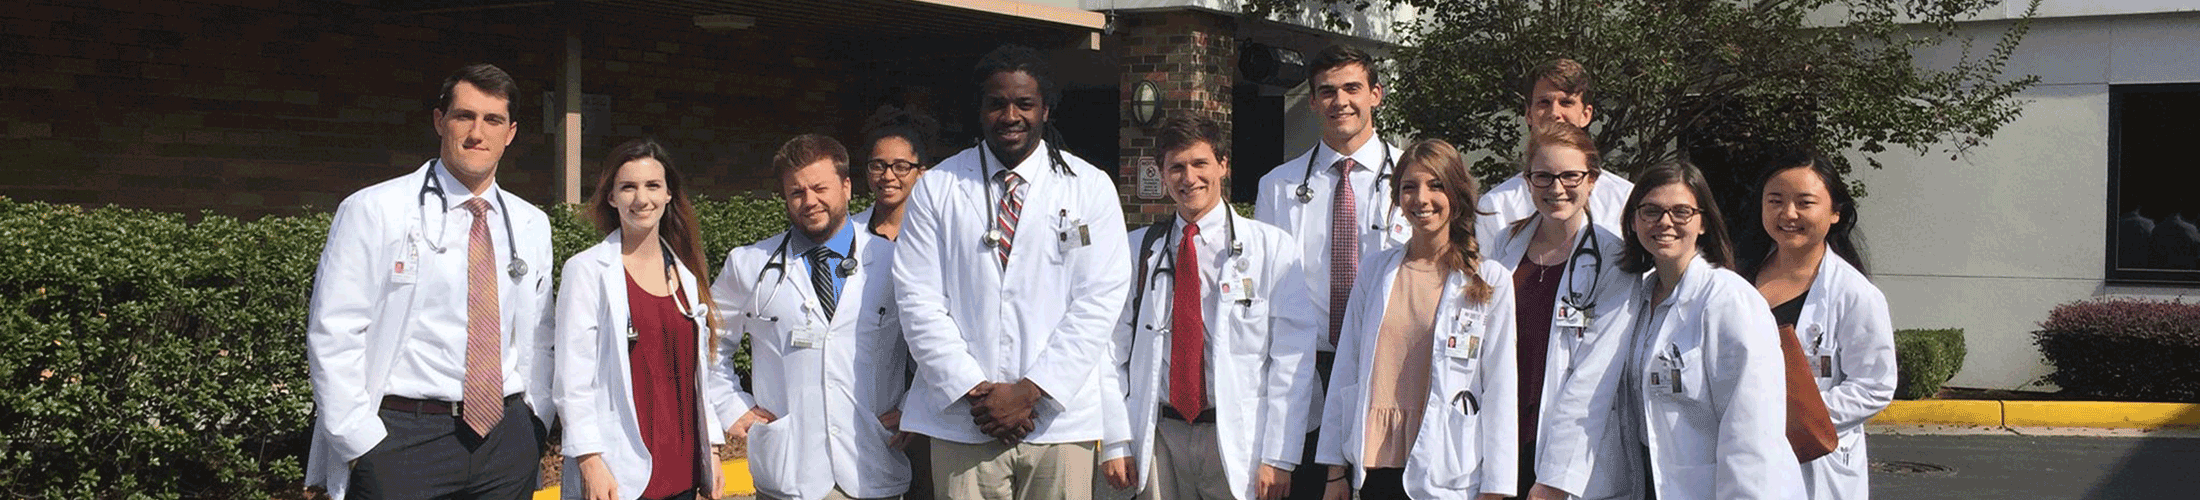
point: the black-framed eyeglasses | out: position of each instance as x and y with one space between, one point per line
899 167
1569 179
1648 213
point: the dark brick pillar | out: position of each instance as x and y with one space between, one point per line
1192 56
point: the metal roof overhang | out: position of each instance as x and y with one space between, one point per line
838 20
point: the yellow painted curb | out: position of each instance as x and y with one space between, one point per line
738 481
1981 413
2100 414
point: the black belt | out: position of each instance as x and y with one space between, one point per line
432 407
1206 416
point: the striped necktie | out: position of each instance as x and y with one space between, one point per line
821 278
483 405
1011 207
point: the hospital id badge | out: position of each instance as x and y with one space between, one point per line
1822 365
809 337
407 268
1570 317
1237 291
1399 232
1666 379
1462 348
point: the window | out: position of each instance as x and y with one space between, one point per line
2152 208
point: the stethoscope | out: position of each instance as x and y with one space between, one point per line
778 260
1305 192
1168 263
672 278
1588 246
994 236
434 185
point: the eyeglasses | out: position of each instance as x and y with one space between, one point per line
898 166
1648 213
1570 179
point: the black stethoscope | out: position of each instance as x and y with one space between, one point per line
1588 246
778 260
1168 262
434 185
1305 192
672 278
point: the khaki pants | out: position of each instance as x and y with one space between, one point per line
996 471
1187 464
836 494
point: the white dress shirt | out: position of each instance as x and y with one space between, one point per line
432 363
1045 317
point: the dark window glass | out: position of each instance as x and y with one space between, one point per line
2152 204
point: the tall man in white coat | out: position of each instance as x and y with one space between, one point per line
1011 272
825 344
1336 200
428 335
1215 352
1559 93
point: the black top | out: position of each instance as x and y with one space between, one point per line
1788 312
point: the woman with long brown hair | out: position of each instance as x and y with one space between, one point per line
1423 401
634 340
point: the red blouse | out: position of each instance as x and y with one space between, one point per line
1536 294
663 356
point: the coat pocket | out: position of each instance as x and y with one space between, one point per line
773 458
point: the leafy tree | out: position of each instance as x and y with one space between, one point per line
1720 82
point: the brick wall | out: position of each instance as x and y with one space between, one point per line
252 107
1192 55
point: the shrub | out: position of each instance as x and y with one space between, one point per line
2124 349
1925 359
148 356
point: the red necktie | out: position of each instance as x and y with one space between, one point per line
484 386
1187 332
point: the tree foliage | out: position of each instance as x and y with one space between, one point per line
1717 81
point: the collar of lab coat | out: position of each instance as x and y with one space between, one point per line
614 280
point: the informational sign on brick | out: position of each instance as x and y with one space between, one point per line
1149 179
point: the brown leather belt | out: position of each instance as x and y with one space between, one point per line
430 406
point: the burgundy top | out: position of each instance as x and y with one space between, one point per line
663 357
1536 296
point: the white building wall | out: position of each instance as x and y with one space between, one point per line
1992 241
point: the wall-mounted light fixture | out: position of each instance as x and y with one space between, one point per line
1145 102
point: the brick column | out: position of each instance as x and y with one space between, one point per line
1192 56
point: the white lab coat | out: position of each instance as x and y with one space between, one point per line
1845 317
1513 200
356 322
828 399
1455 455
1048 316
595 381
1724 433
1575 434
1260 357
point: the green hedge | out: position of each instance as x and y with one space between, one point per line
2124 349
149 356
1925 359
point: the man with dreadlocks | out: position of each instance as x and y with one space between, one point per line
1011 269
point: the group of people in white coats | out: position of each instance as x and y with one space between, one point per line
1380 328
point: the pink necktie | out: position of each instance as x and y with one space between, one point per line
1344 247
1187 332
484 403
